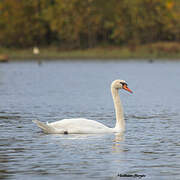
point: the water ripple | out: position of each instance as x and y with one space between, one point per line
60 89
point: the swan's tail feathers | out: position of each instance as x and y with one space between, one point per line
45 127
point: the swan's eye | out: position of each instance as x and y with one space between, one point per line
123 84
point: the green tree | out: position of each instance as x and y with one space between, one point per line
142 21
88 23
20 23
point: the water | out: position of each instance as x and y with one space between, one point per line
56 90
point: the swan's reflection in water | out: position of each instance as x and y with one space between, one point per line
118 137
117 145
96 140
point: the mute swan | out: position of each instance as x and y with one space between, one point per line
86 126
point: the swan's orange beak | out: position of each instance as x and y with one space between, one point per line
126 88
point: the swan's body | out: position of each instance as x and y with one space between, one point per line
86 126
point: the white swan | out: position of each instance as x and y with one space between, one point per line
86 126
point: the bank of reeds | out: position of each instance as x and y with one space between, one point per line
160 50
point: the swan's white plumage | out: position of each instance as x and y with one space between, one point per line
86 126
80 126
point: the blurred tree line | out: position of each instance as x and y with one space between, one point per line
87 23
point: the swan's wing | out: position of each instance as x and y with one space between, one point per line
80 125
49 129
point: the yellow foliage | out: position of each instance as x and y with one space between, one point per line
170 5
85 23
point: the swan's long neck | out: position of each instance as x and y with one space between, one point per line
120 123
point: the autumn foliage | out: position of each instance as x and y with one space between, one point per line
88 23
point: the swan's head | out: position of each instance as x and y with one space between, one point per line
120 84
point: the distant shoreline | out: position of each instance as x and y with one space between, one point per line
161 50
